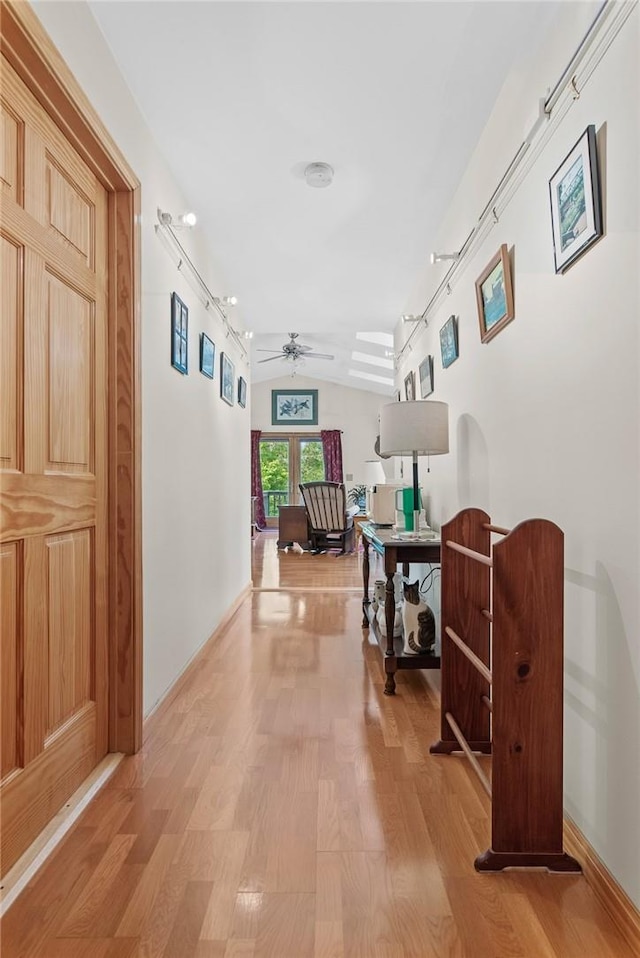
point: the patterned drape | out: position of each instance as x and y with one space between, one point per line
256 478
332 451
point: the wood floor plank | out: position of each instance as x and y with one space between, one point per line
185 933
141 902
283 807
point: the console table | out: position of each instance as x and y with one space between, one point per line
394 552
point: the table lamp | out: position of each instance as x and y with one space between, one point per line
373 472
419 427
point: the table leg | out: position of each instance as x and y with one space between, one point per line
389 615
390 684
365 583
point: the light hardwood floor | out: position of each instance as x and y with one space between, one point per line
282 807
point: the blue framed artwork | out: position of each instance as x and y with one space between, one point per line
207 355
449 342
494 295
294 407
179 335
227 379
242 391
576 211
425 373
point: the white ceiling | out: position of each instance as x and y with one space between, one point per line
242 96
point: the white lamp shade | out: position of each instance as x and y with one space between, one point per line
373 472
420 426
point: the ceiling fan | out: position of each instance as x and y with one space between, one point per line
293 351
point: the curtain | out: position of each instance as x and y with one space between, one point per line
332 451
256 479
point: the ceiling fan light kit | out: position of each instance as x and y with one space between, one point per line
293 352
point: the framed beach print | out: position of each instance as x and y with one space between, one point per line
179 335
227 378
494 295
294 407
576 211
449 342
410 386
425 372
207 355
242 392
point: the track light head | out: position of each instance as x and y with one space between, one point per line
438 257
184 221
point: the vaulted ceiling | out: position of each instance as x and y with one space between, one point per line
241 97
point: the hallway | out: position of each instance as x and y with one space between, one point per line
282 807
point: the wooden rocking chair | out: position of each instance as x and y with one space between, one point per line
330 525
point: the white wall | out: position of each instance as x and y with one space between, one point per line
544 418
195 448
354 411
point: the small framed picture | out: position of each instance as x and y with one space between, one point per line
179 335
449 342
294 407
207 355
227 378
242 392
410 386
425 372
494 295
576 210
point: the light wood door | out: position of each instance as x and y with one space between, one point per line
53 460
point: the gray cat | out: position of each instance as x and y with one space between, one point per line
418 622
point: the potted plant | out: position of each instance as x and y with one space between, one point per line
358 497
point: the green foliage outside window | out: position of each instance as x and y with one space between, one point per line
311 461
274 462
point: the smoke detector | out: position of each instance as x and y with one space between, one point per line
318 175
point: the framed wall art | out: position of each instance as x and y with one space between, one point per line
449 342
227 378
179 335
576 210
425 373
207 355
410 386
294 407
242 392
494 295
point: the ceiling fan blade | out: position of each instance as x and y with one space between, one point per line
319 356
270 359
278 351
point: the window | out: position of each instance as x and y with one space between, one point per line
286 461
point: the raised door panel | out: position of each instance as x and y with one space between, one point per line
70 350
59 375
69 213
11 153
10 659
70 632
10 352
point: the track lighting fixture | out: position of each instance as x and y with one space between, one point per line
184 221
438 257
